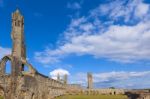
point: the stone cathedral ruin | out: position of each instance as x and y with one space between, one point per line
21 84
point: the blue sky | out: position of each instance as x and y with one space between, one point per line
109 38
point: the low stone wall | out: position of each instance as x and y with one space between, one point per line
34 86
44 87
104 91
96 91
138 94
144 96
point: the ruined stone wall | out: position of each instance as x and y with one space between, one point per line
41 87
73 89
144 96
138 94
77 90
53 87
103 91
5 84
32 87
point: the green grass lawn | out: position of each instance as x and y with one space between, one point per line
1 97
93 97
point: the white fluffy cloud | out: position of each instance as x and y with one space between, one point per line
59 71
123 79
130 10
74 5
4 51
116 76
123 37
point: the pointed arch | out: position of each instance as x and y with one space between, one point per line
3 64
33 96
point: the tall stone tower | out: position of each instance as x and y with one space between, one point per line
20 83
90 80
17 35
18 51
58 77
65 79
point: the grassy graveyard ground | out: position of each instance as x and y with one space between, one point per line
93 97
1 97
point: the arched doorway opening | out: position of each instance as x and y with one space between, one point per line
8 68
33 96
5 65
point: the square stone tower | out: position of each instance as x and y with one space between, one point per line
65 79
90 80
17 35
